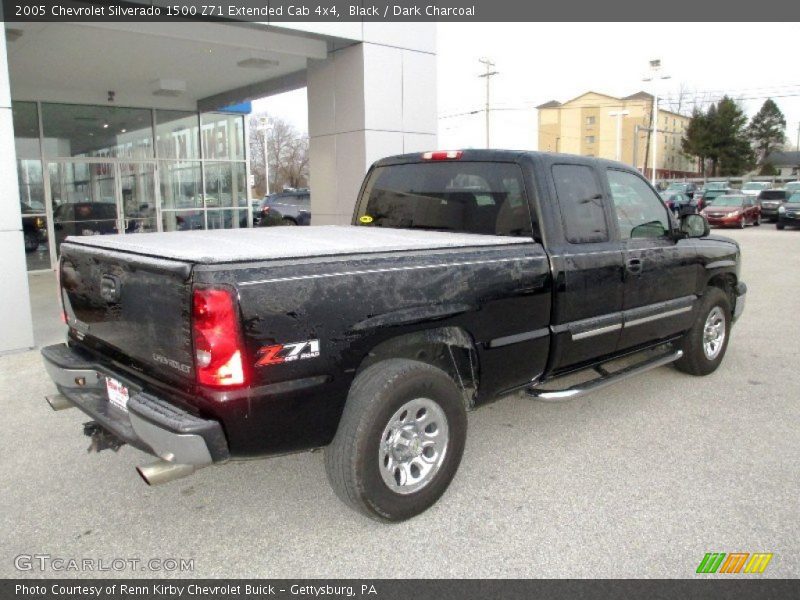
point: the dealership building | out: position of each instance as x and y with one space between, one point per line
139 127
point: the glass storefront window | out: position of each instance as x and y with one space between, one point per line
26 129
181 185
183 220
222 136
177 134
226 184
227 218
76 130
31 186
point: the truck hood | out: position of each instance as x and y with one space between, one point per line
268 243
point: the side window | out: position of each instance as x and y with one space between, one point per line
581 201
640 213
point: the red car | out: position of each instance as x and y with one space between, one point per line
732 210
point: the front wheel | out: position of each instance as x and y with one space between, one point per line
399 441
780 226
704 345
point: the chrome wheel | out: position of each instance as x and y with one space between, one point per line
413 446
714 333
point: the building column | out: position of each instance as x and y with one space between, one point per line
365 102
17 330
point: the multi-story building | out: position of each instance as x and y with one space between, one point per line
587 125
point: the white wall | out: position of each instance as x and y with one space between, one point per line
16 332
367 101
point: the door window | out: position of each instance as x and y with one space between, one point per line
640 212
581 201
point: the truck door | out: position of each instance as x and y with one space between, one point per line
660 271
587 268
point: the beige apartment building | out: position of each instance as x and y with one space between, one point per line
587 125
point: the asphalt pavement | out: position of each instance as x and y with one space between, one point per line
640 479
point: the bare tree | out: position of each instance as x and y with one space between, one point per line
287 151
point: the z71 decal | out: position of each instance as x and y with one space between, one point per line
283 353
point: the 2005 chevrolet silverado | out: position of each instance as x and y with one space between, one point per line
465 276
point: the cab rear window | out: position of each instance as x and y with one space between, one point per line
465 197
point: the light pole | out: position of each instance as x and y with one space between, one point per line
488 75
264 125
619 114
655 76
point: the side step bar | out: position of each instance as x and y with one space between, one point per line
605 378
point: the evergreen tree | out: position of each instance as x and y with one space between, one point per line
766 130
720 135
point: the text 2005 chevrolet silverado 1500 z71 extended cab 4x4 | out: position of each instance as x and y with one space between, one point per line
465 276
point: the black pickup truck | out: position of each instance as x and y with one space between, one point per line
465 276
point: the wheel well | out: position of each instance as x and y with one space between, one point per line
450 349
727 283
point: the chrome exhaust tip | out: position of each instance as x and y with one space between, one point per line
164 472
58 402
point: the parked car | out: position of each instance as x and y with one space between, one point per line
34 229
789 213
754 188
770 201
375 339
686 187
679 203
793 186
733 210
708 196
84 218
286 208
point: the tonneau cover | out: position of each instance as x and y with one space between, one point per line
267 243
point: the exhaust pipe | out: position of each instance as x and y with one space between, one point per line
164 472
59 402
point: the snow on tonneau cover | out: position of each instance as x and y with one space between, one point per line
132 292
267 243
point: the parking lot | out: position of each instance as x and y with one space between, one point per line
640 479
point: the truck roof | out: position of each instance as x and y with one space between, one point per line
272 243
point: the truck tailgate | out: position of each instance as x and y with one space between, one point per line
138 306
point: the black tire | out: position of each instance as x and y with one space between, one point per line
31 241
694 360
780 226
352 460
758 221
288 221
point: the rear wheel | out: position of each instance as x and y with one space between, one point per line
704 345
400 440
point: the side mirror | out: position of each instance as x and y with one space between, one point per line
695 226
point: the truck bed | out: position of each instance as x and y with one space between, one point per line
268 243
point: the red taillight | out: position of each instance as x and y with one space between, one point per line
443 155
219 353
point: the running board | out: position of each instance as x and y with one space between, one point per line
605 378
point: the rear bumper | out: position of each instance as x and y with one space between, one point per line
150 423
740 291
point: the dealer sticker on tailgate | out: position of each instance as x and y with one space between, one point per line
117 393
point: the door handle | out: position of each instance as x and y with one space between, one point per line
634 265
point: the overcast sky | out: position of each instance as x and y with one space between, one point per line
538 62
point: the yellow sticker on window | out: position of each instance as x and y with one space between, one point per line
365 219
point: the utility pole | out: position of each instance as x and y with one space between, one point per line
488 75
655 76
619 114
